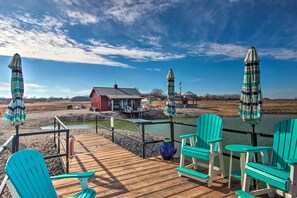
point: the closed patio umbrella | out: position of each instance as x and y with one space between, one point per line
170 107
15 113
250 107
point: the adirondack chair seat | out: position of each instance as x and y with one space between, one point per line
197 152
86 193
268 174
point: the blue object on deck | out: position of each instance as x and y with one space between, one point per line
28 177
167 150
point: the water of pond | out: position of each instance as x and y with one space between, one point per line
265 126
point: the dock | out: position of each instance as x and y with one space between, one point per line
120 173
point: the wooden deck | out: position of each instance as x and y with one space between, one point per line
119 173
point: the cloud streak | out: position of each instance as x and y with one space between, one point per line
152 69
81 17
127 11
234 51
46 39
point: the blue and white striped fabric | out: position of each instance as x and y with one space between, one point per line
170 107
250 108
15 113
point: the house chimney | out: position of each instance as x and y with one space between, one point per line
115 86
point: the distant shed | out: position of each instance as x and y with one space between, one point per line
115 98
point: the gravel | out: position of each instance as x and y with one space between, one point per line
54 165
45 145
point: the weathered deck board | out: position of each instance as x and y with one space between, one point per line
122 174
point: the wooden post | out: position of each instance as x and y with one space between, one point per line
17 138
112 128
96 123
172 131
143 140
13 145
254 136
111 105
55 145
59 127
67 151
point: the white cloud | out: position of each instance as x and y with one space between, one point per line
128 11
4 87
216 49
152 69
65 91
45 39
282 54
134 53
68 2
82 17
151 40
238 52
31 87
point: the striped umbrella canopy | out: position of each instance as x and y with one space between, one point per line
250 108
15 113
170 108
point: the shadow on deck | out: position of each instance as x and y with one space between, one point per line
123 174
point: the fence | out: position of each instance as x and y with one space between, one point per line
61 128
143 123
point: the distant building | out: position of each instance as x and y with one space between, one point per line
187 100
115 98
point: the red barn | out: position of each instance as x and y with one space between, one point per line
115 99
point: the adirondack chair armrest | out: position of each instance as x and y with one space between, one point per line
187 135
73 175
291 161
256 149
215 140
82 177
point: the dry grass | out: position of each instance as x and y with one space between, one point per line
47 106
221 107
230 107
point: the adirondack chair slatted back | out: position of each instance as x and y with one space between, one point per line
209 126
28 173
285 143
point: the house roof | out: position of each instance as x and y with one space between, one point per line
118 93
189 93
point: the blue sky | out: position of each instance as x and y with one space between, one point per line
69 46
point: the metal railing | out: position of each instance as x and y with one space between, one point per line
143 142
14 140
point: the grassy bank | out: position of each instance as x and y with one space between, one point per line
222 107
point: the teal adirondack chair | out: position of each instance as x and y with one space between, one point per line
28 177
281 174
204 145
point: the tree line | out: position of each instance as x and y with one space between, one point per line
160 94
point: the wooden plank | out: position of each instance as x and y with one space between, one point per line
120 173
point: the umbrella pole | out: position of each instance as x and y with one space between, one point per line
17 138
171 131
254 143
254 136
